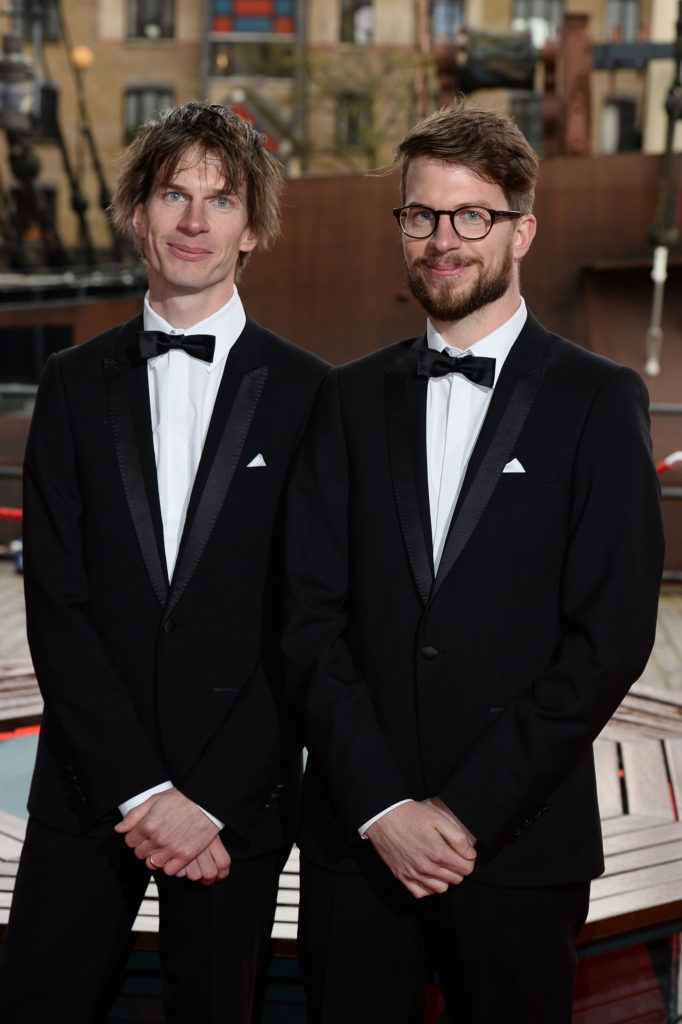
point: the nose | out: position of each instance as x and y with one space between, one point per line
445 237
193 221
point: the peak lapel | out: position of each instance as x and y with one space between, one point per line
405 410
130 416
240 390
509 407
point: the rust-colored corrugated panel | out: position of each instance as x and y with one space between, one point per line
335 282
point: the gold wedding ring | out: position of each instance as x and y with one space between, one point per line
152 862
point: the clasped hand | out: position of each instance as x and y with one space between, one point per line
425 845
181 839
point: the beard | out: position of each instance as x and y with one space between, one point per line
442 301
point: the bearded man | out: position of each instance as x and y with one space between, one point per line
474 551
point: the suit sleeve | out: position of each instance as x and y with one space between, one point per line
89 707
608 601
258 744
340 724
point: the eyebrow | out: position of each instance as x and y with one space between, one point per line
173 186
460 206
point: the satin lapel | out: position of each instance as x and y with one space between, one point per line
236 402
128 395
510 405
405 409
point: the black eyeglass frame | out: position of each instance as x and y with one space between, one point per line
494 216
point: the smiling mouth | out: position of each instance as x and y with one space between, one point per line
187 251
447 268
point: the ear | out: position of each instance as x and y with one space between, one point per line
139 221
524 233
249 240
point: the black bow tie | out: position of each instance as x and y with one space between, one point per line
478 369
156 343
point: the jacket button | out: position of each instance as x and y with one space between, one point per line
429 652
169 626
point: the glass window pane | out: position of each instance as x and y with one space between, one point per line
357 22
151 19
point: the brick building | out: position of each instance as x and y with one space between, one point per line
333 83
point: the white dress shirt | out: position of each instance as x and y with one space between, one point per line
455 410
182 393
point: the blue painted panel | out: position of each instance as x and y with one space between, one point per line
17 757
252 24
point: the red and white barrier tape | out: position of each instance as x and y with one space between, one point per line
668 463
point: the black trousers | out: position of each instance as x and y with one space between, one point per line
74 905
502 955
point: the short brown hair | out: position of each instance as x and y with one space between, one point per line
160 143
489 144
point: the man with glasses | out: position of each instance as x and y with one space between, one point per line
475 551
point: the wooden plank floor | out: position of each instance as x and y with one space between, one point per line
20 700
639 779
639 775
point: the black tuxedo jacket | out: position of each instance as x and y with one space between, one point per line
147 679
487 684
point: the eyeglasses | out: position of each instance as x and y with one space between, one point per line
469 222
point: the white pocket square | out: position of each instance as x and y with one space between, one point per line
514 467
256 462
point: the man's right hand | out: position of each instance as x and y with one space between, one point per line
424 849
210 866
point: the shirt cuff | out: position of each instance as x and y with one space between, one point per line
216 821
363 828
135 801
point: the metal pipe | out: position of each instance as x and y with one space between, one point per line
665 409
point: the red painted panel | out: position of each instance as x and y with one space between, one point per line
284 25
253 6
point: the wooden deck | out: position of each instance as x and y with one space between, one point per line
639 773
20 700
639 776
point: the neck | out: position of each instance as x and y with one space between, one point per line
462 334
185 310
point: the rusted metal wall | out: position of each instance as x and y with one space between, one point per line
335 282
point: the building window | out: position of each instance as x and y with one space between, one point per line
622 20
352 120
269 59
619 129
542 18
357 22
447 19
527 111
23 20
272 16
140 102
151 19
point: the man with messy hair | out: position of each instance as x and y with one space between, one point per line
153 474
474 556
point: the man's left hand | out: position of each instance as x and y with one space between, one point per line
169 827
438 805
